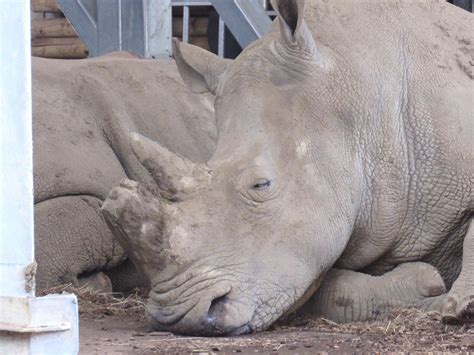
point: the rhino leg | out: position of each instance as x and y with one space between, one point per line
350 296
73 243
458 305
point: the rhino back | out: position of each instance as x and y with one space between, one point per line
70 154
79 105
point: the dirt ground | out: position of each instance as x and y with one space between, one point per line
111 324
408 331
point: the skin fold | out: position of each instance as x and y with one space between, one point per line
341 178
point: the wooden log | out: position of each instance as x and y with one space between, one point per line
60 52
200 42
62 48
55 27
197 26
45 6
49 41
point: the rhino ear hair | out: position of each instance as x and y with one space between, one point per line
295 33
201 70
175 176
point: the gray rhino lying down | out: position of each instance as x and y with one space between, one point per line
344 165
82 113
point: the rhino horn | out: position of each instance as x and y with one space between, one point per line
175 175
295 34
200 69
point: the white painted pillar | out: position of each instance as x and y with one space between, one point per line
28 325
16 167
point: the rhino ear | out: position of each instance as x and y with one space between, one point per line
201 70
295 34
176 176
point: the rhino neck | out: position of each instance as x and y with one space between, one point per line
378 106
403 157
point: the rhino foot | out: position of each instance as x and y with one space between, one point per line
97 282
457 308
350 296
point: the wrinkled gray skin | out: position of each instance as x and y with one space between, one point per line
82 113
344 162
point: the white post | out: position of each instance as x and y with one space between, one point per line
27 324
158 28
186 14
221 38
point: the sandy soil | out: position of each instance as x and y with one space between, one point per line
117 325
409 332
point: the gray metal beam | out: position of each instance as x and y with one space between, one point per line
84 22
139 26
256 16
158 28
246 19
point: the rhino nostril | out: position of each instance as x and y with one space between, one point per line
217 308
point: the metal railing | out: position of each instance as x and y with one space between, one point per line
248 20
139 26
145 27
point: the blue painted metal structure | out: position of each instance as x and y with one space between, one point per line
247 20
139 26
144 27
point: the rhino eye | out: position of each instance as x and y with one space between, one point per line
261 184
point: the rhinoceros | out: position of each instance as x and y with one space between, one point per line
342 176
82 112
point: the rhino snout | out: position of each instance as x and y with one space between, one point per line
218 314
135 217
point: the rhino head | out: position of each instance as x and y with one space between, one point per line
233 244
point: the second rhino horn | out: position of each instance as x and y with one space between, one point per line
175 175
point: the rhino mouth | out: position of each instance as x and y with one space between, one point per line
203 316
215 305
172 314
200 301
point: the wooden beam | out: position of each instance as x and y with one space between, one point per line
62 47
45 6
197 26
200 42
55 27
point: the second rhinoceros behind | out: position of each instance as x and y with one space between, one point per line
344 164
